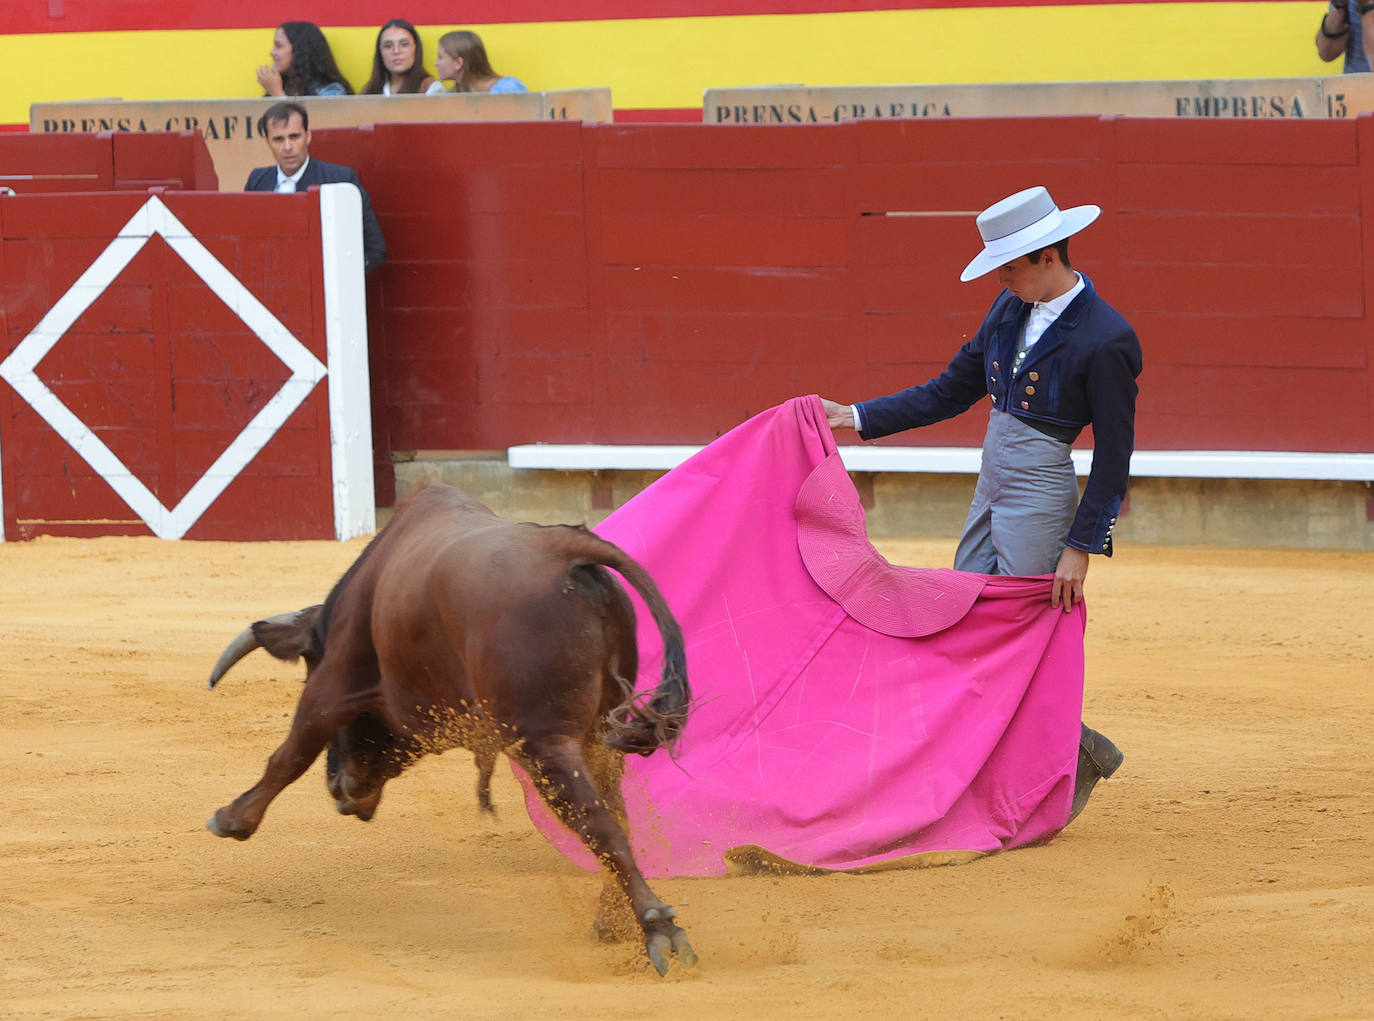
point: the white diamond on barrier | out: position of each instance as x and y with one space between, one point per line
19 370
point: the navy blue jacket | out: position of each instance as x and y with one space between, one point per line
319 172
1081 371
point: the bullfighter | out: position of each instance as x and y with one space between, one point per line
1053 357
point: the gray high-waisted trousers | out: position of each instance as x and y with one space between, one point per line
1024 505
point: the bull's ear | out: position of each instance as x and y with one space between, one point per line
306 618
289 636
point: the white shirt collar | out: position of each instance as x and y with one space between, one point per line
1055 306
293 178
1042 315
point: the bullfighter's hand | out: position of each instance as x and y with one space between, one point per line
1068 578
838 416
270 79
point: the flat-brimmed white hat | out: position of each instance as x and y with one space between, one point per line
1023 223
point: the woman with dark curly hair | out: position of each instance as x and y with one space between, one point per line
398 63
302 64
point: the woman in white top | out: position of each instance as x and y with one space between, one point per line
462 59
398 63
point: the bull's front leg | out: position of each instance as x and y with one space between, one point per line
565 783
310 732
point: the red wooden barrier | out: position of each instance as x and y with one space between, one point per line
659 283
656 283
32 164
166 363
178 160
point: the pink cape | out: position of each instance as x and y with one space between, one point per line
847 712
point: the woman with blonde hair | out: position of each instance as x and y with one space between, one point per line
463 59
398 63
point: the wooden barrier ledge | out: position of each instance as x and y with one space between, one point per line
1336 96
230 125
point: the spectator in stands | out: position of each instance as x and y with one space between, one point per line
462 59
1055 358
1347 27
398 63
286 126
302 64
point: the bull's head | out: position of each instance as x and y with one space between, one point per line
363 754
289 636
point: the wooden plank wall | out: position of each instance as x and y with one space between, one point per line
1244 269
160 369
656 283
33 164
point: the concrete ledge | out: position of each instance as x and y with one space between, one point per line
1316 513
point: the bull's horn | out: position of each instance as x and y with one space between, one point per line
241 646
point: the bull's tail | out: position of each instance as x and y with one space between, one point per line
644 723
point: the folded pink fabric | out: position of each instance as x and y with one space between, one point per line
847 712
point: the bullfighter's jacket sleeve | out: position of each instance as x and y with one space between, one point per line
1111 392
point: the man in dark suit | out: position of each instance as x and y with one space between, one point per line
1053 357
286 126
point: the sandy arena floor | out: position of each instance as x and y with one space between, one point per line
1224 873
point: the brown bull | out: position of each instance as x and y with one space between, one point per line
457 628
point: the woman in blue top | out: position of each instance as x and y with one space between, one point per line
302 64
463 59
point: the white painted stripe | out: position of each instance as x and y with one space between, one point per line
1204 464
350 401
306 370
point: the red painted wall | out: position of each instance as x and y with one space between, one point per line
660 283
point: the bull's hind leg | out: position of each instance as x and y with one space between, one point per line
310 732
566 785
615 920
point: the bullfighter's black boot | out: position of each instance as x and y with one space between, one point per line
1098 759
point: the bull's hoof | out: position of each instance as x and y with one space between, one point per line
220 826
666 940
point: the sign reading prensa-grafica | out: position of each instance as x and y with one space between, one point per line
222 128
808 113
